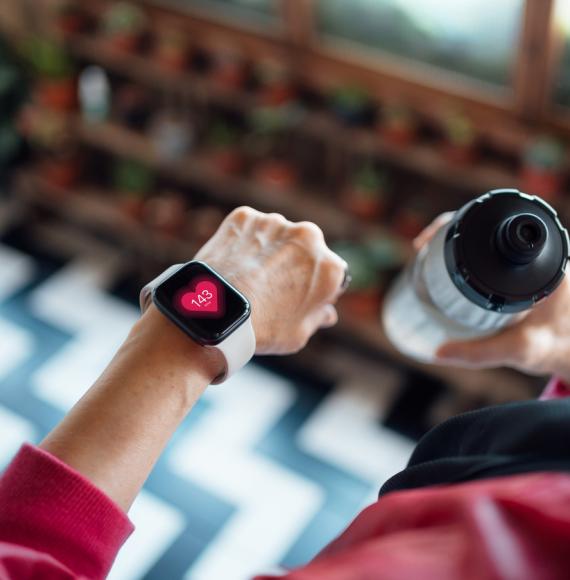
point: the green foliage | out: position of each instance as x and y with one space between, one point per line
367 261
459 129
124 17
222 135
49 59
132 177
350 98
370 179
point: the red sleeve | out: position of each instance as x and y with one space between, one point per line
52 517
555 389
514 527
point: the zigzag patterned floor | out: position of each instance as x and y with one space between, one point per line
264 472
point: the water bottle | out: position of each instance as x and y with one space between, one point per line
500 255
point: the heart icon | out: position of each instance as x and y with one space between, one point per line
204 299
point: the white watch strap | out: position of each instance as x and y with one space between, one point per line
237 348
146 293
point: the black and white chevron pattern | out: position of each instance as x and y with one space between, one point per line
264 472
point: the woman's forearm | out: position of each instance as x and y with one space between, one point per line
116 432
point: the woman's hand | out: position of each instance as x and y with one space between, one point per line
539 344
117 431
286 271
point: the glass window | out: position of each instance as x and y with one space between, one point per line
478 38
562 28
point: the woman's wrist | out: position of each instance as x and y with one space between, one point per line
168 347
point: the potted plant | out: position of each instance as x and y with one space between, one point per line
398 125
412 218
61 168
543 166
204 223
228 68
56 86
362 298
366 196
276 174
223 151
275 85
167 214
351 105
124 25
133 181
459 139
69 17
133 107
171 48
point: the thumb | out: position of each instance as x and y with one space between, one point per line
488 352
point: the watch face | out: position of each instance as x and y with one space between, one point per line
202 303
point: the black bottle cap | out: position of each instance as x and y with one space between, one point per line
506 250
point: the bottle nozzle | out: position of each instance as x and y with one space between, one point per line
521 239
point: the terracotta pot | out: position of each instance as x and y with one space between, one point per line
57 94
174 61
361 304
363 205
64 173
70 24
546 184
226 161
400 136
409 224
276 95
460 154
278 175
231 77
127 42
133 207
166 214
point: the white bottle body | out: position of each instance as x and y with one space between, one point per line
424 308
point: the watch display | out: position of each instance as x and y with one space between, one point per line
202 303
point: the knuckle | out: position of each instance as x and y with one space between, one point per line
277 217
241 214
333 272
309 231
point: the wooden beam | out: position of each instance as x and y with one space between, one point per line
535 63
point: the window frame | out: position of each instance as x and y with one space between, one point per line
504 115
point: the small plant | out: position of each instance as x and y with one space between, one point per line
124 18
49 59
459 130
351 104
222 136
546 153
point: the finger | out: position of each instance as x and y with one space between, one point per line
429 232
326 317
505 348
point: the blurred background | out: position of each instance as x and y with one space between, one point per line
128 130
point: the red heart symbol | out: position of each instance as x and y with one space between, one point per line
203 299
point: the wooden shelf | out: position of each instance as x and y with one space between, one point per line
194 171
92 209
424 160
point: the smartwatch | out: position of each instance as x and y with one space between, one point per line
207 308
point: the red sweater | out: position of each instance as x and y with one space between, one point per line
54 524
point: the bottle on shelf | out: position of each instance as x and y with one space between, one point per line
94 94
